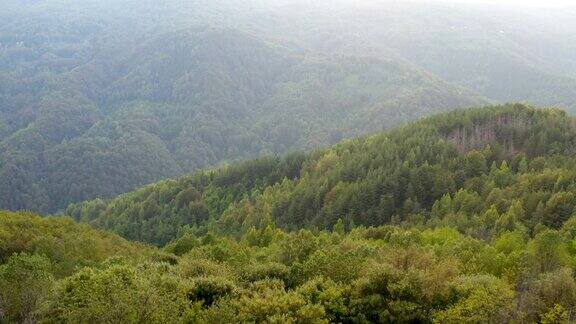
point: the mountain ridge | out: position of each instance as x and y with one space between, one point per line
178 107
316 190
94 85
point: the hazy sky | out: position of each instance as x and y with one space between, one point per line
545 3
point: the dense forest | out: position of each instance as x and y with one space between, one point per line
465 217
478 161
375 274
99 97
287 161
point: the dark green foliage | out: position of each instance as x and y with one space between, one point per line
156 213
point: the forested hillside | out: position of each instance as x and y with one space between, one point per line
100 114
100 97
461 167
463 217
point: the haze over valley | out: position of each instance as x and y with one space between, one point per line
100 97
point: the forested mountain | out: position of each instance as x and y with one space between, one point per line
460 167
466 217
100 97
287 161
175 101
507 53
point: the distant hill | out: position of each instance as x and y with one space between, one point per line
191 99
98 98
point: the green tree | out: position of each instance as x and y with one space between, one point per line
480 299
25 283
559 208
549 250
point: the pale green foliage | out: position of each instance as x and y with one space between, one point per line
25 283
480 299
118 293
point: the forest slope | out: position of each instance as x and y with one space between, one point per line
98 98
472 161
188 99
